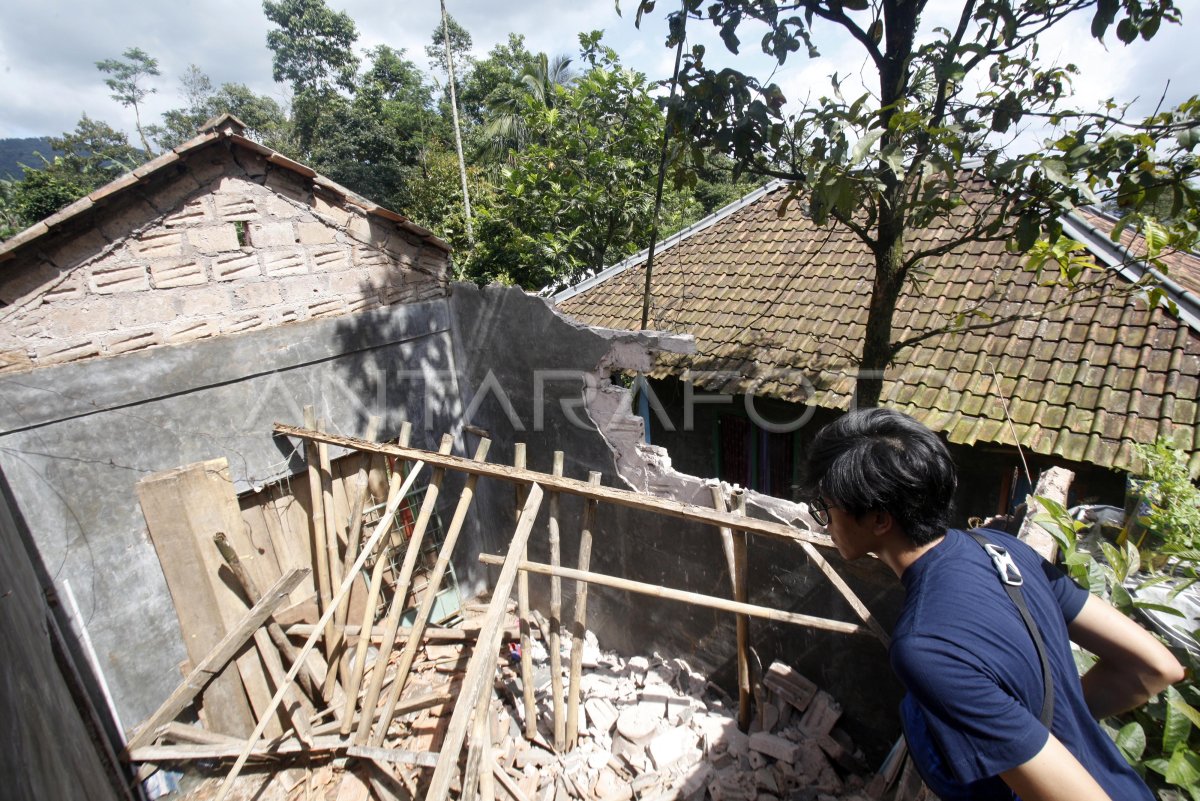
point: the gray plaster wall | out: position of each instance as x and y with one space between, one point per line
74 439
529 374
48 750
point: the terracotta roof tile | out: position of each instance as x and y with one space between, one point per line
764 294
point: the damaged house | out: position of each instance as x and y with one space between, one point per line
226 347
777 306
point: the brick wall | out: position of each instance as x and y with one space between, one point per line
223 243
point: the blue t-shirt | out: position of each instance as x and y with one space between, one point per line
966 657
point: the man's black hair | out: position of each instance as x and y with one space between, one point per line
882 460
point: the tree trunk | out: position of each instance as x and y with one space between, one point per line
462 164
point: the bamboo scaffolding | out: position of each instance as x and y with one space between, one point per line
579 632
320 551
695 598
735 547
343 591
425 608
333 645
399 595
527 693
483 659
556 679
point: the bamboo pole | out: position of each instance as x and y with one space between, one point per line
556 678
858 606
579 632
353 532
333 644
694 598
425 608
342 592
736 553
399 595
523 613
320 552
483 659
572 486
359 661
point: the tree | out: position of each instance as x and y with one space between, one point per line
126 82
312 50
494 79
579 196
506 129
264 118
925 146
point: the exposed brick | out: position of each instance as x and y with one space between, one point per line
75 250
361 301
12 361
71 287
80 320
280 207
326 308
433 262
22 278
332 210
257 295
158 244
286 316
144 309
195 212
129 341
243 322
274 234
315 233
236 208
287 183
204 301
255 164
118 224
348 282
172 189
168 273
285 262
359 227
402 247
235 265
214 238
209 164
119 277
366 256
305 288
330 257
71 351
192 330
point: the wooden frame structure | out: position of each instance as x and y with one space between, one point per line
355 728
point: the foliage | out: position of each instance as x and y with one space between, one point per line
265 120
495 80
1162 739
927 142
128 72
312 47
579 196
460 48
1169 501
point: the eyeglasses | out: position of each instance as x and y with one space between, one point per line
819 510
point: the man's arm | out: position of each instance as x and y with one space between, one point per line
1053 775
1133 666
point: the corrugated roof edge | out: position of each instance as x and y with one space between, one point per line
144 172
668 242
1119 257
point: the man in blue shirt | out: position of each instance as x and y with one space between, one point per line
882 484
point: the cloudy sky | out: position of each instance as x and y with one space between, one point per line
48 49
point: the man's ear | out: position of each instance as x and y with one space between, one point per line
882 522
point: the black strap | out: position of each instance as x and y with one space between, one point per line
1011 579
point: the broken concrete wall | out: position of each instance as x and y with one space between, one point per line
536 377
223 241
49 751
75 438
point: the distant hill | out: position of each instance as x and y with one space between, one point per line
13 152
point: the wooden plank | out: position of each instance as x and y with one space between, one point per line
425 608
684 596
527 689
423 759
572 486
186 753
184 508
556 680
227 785
400 592
216 658
735 547
186 733
320 552
483 661
579 632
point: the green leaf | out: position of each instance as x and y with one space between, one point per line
1168 610
863 146
1175 701
1131 739
1177 726
1184 768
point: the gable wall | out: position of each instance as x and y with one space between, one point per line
222 244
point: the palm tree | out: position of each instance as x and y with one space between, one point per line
506 130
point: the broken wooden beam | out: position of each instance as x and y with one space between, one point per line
579 631
555 640
422 759
185 753
527 694
211 665
684 596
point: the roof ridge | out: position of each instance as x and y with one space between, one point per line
668 242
